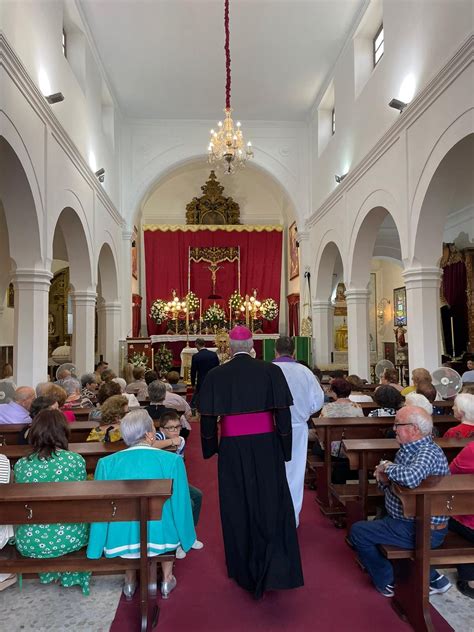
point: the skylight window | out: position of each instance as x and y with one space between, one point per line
378 45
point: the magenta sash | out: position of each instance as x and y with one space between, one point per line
247 424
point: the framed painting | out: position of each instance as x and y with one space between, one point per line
399 306
293 261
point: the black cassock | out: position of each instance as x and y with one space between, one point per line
257 515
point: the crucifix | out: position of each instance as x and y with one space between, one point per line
213 268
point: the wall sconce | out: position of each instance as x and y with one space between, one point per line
398 105
57 97
382 304
339 179
100 174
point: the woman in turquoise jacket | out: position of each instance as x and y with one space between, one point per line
143 461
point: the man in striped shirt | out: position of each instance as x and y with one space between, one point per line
418 458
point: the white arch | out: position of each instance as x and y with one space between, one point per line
81 274
172 159
363 233
20 190
107 270
330 248
427 227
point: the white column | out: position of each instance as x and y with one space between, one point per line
112 316
126 283
323 331
358 329
30 352
423 317
100 328
83 336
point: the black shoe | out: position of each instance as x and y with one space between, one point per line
465 589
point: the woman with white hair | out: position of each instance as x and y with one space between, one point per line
416 399
463 410
132 400
143 461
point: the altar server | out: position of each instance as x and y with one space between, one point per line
253 401
308 398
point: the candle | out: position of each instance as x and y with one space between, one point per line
452 336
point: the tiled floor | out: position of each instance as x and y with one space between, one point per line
457 609
51 608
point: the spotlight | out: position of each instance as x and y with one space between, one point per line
100 174
398 105
339 179
57 97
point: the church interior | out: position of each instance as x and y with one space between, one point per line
158 188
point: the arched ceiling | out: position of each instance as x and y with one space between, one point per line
165 59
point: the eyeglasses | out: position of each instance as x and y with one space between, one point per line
172 428
395 426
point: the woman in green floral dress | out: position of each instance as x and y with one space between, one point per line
51 462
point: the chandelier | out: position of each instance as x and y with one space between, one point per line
227 144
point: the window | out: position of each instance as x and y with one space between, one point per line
378 45
64 43
333 121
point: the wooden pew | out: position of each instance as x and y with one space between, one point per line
446 405
10 433
365 454
89 501
436 496
338 428
92 451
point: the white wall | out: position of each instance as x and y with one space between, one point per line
420 37
34 31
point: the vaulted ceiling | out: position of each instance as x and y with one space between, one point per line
165 58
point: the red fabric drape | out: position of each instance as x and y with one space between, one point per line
166 261
293 314
136 310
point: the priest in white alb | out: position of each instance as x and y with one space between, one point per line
308 398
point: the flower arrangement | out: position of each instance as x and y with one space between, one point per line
192 302
214 315
158 311
138 359
269 309
164 359
236 300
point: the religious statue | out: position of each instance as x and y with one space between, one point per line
213 268
341 338
223 346
51 327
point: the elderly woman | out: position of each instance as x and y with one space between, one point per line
157 406
357 394
51 462
113 409
74 399
389 400
132 400
89 386
417 376
463 410
464 525
143 461
138 387
343 406
106 390
58 394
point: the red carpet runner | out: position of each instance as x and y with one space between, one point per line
337 596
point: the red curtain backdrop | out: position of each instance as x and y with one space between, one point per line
293 314
136 309
166 261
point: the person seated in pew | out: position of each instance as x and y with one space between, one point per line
426 388
176 382
157 406
18 410
151 376
390 378
464 525
389 399
52 462
141 460
132 400
467 376
6 531
106 390
90 387
417 375
138 387
418 458
48 389
416 399
468 388
169 429
75 398
113 409
357 395
108 375
463 410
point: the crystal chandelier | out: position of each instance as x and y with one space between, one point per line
227 145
